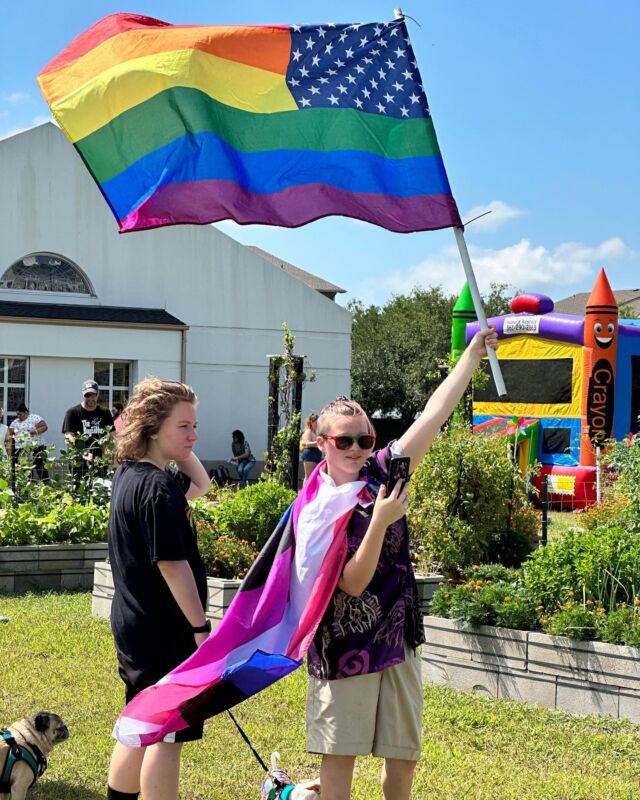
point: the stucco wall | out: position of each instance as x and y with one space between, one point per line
233 300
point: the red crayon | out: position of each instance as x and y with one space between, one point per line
601 345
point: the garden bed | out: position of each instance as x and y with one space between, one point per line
221 593
532 667
49 566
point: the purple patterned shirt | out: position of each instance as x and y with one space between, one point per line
360 635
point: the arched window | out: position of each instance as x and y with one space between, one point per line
45 272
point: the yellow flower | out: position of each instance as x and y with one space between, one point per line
636 602
600 610
571 593
539 608
589 603
507 598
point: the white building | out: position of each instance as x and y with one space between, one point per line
78 301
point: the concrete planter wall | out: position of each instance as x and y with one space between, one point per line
221 592
49 566
549 671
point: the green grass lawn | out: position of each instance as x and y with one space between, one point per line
560 522
57 658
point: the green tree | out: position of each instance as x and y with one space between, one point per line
400 351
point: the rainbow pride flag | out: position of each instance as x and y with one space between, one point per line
278 125
269 625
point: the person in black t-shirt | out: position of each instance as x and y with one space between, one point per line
89 420
157 613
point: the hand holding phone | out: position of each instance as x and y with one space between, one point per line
398 471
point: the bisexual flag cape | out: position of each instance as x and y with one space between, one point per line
268 627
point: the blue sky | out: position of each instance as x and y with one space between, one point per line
537 110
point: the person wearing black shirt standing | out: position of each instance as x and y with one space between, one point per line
157 613
89 420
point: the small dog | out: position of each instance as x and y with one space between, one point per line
33 739
278 785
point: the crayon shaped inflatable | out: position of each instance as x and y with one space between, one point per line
463 312
600 349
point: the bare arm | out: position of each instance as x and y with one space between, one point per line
417 440
41 427
360 569
182 585
200 482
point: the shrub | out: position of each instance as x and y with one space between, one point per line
250 514
625 458
491 595
469 502
621 626
601 565
65 521
612 512
574 620
224 556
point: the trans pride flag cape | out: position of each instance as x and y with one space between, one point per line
272 124
268 627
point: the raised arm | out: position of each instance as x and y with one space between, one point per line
200 482
417 440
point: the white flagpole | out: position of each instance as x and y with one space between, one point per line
473 286
477 304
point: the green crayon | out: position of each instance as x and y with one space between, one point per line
463 312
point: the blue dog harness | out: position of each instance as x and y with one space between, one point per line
16 752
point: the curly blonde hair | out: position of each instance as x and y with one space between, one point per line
152 402
342 407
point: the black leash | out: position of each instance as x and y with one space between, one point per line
251 747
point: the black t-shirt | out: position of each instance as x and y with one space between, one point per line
150 521
88 423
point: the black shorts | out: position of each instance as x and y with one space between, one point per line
136 679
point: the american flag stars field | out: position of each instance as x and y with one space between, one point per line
369 67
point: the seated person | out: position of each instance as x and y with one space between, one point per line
242 458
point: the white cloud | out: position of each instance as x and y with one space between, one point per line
522 266
16 97
500 213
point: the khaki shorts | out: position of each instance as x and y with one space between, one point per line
380 713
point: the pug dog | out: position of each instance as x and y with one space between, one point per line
39 734
277 784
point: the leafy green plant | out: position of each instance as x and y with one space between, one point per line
65 521
224 556
490 595
574 620
621 626
250 514
601 565
286 379
469 504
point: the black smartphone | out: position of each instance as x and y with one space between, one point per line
398 471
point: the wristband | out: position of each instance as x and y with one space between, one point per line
206 628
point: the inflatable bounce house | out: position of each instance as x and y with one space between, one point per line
572 384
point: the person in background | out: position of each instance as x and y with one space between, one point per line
118 418
160 584
26 432
87 419
310 454
242 458
4 435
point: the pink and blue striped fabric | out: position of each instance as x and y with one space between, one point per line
269 626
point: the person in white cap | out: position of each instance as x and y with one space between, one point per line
90 420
